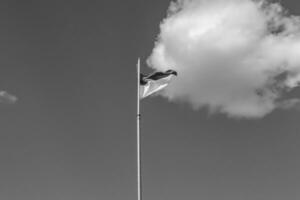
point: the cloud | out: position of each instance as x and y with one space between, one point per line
7 98
290 103
237 57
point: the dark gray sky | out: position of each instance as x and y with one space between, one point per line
71 136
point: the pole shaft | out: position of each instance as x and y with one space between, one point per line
139 177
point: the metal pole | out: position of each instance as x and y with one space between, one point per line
139 177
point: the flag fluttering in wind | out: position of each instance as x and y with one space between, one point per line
155 82
147 85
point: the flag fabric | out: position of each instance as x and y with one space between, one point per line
155 82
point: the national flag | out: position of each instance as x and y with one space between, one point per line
155 82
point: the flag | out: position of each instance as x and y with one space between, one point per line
155 82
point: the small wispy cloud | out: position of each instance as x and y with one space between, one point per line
7 98
290 104
238 57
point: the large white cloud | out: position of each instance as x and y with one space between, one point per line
236 57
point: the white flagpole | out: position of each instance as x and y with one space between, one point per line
139 177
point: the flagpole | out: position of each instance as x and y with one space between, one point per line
139 177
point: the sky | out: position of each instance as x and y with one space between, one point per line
71 134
